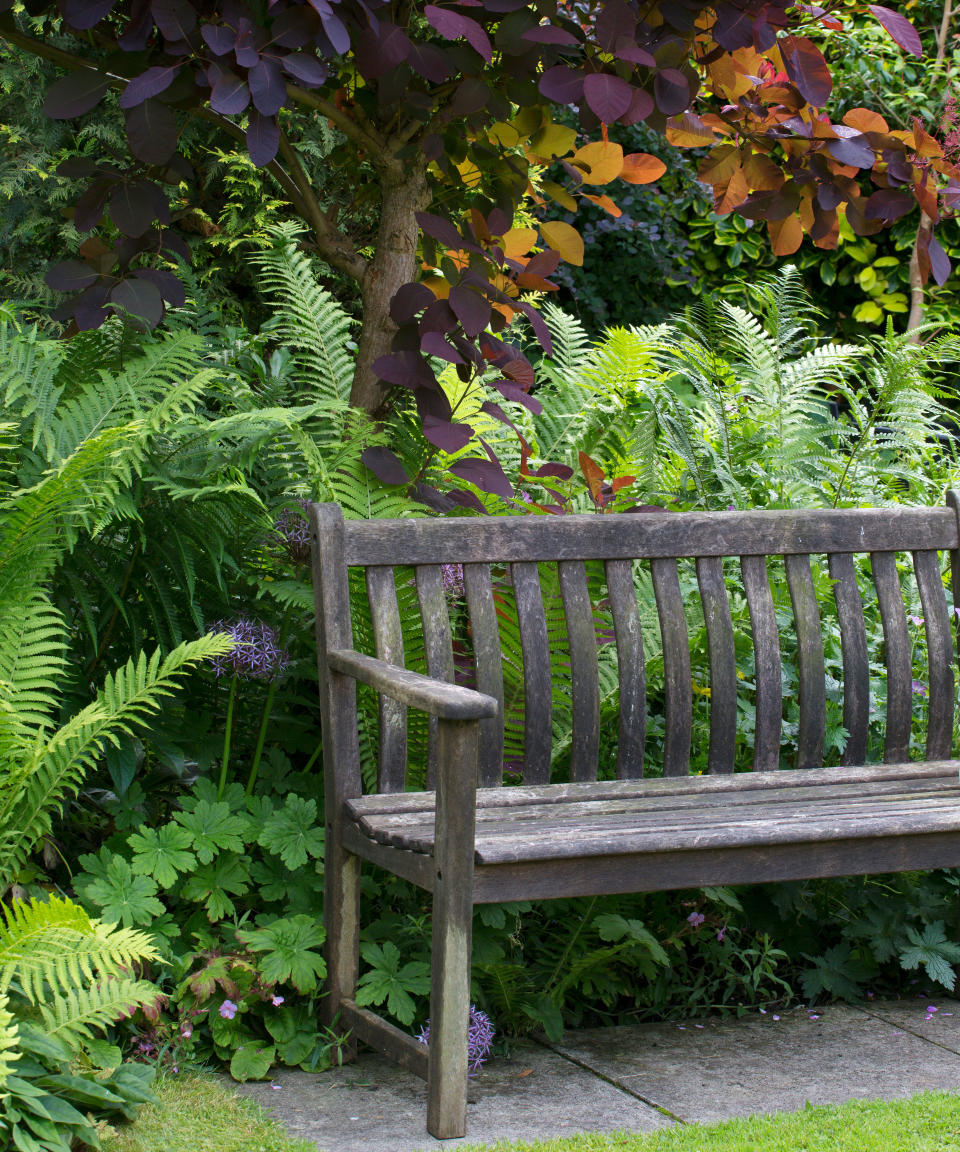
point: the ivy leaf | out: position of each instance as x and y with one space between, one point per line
162 853
121 896
388 981
934 951
213 828
292 833
251 1063
287 946
212 883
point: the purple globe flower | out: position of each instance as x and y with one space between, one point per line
452 576
293 533
256 654
479 1038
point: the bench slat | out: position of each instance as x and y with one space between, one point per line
582 638
537 692
926 567
655 534
388 645
438 645
766 656
896 641
813 704
631 668
488 665
723 664
678 702
853 646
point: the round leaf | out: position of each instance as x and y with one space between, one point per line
642 168
563 239
75 94
607 96
141 299
599 163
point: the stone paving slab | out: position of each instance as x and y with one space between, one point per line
372 1106
941 1026
718 1069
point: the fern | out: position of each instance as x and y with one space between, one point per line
72 1016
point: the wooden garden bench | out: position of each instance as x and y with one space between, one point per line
471 841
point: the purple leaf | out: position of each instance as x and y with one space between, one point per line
267 88
152 132
854 151
440 229
305 68
899 28
549 34
408 300
671 89
385 465
293 28
70 276
406 369
733 28
75 94
425 494
438 317
167 284
88 211
449 437
429 62
630 51
263 138
939 261
453 25
150 83
487 475
336 32
561 471
176 19
78 166
616 21
561 85
379 53
467 499
888 205
85 14
641 105
219 38
135 206
607 96
471 95
433 344
229 95
471 309
138 30
538 324
141 299
250 40
88 309
807 69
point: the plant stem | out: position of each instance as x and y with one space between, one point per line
267 709
221 788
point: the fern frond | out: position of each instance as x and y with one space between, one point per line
73 1017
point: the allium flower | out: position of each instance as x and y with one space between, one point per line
479 1038
228 1009
696 919
452 575
257 654
294 533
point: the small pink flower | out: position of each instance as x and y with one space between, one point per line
186 1031
696 919
722 934
276 1001
917 620
228 1009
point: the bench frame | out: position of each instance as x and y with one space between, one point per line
463 748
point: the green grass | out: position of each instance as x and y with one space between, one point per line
196 1114
926 1123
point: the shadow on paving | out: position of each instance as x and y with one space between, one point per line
637 1078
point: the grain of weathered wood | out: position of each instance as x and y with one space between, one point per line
766 655
762 533
896 642
437 643
678 688
723 663
488 664
940 654
412 866
452 927
853 645
810 671
438 698
372 1029
388 645
631 669
537 688
953 503
582 639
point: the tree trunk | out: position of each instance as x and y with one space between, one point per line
394 263
915 319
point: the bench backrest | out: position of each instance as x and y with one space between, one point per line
724 547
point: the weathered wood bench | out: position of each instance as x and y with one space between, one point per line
472 841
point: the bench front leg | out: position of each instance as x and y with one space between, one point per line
452 928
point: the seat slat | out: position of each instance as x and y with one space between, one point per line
388 645
940 654
813 703
896 641
678 703
537 690
488 664
723 664
631 668
766 656
853 646
582 638
438 645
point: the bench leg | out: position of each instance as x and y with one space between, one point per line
341 914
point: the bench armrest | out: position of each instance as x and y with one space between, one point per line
437 697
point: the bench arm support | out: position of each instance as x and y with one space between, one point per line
437 697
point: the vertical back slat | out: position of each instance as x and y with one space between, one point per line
810 670
388 645
582 638
766 657
723 663
537 693
631 669
438 644
676 667
853 647
488 664
936 618
896 641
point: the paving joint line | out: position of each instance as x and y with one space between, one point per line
905 1028
610 1080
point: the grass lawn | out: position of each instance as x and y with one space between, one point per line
197 1114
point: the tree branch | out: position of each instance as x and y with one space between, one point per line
366 136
